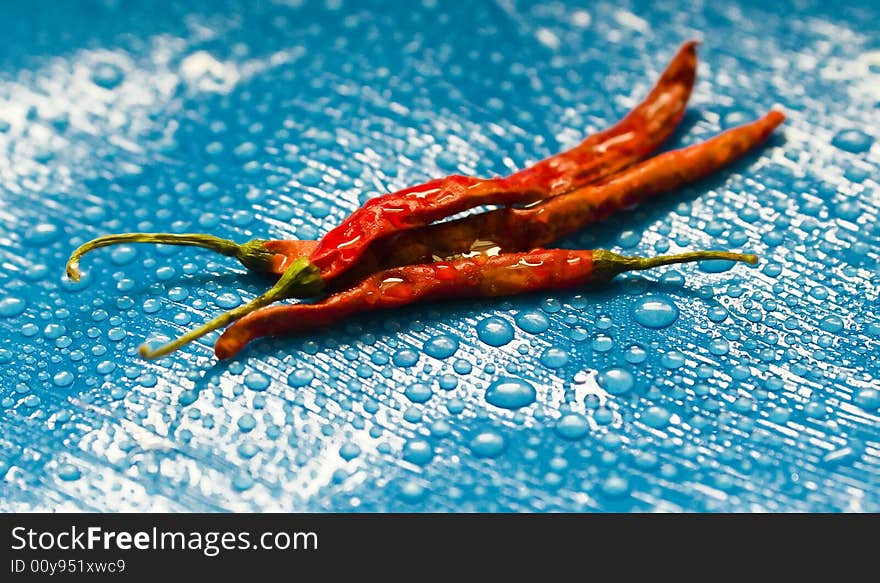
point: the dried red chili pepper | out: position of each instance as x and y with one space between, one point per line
521 229
636 135
602 154
481 276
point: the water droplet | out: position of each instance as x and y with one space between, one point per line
462 366
672 277
554 358
242 481
719 346
572 426
107 75
831 324
412 415
616 381
673 359
495 331
868 399
418 451
228 300
511 393
532 321
488 444
207 189
656 417
717 314
247 450
188 397
256 381
716 265
655 312
440 347
123 254
349 451
11 306
779 415
418 393
405 358
602 343
300 377
455 406
629 239
448 381
412 491
246 423
635 354
615 486
848 210
115 334
852 140
42 234
68 472
63 379
178 294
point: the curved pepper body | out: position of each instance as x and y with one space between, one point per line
521 229
567 213
480 276
604 153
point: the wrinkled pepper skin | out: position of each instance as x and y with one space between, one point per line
520 229
600 155
480 276
561 216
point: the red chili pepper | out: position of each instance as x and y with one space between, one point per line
631 139
635 136
521 229
482 276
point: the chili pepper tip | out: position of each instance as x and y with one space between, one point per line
253 254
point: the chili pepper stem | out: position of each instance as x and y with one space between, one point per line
300 278
252 254
609 264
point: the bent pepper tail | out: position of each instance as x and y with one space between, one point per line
252 254
300 277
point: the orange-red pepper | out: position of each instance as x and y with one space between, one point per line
481 276
520 229
600 155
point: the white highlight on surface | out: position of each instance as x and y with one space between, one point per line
581 18
548 38
202 71
630 20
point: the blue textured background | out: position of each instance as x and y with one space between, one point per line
276 119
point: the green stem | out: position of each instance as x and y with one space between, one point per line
252 254
301 278
608 264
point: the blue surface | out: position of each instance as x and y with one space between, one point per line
699 388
